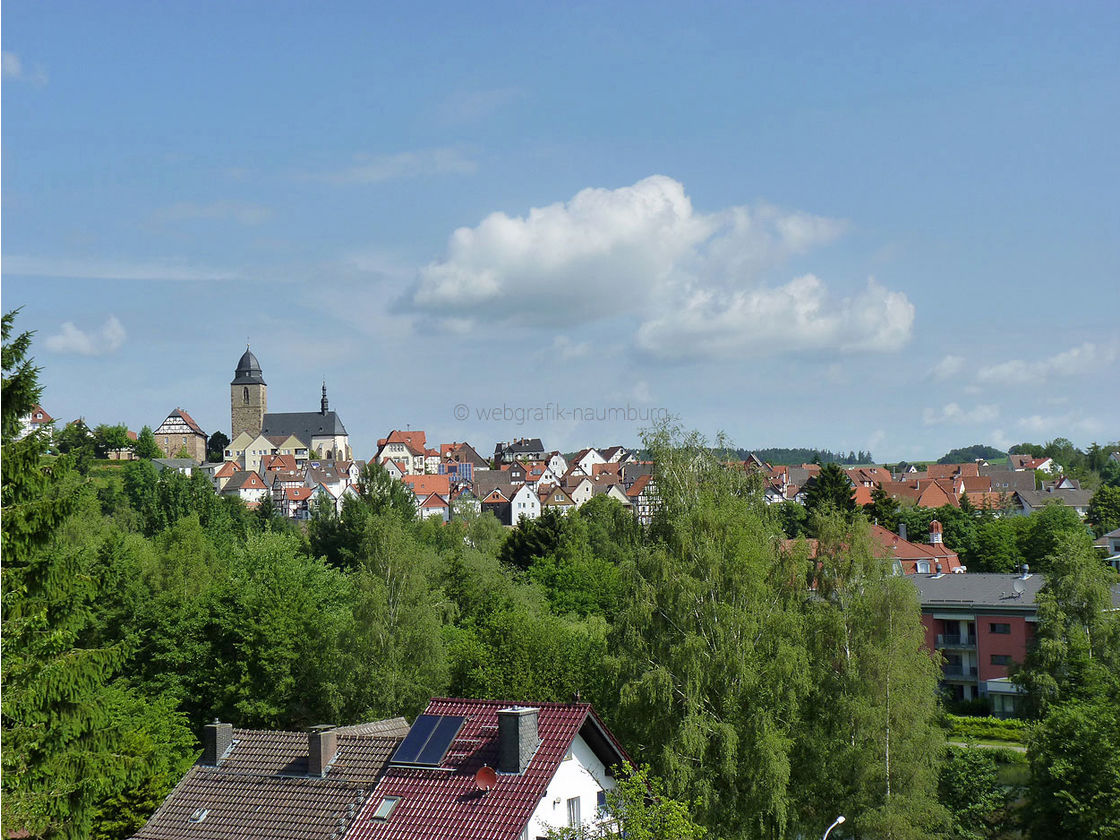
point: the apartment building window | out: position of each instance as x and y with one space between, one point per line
1001 659
1000 628
573 812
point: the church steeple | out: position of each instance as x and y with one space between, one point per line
248 396
323 402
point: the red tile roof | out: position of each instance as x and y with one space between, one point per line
189 421
445 803
424 485
639 485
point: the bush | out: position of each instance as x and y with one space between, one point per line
985 728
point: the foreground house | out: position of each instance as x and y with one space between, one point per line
464 770
276 785
494 771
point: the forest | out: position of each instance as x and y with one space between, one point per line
763 692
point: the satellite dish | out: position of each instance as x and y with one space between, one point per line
1018 586
485 778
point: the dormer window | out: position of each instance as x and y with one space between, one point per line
385 809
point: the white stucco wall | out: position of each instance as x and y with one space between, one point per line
582 775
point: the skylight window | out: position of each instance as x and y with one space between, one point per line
199 815
385 809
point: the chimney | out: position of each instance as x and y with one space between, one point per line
322 747
217 738
937 566
1026 571
518 738
902 530
935 533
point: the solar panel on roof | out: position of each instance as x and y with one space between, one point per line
415 740
428 740
437 746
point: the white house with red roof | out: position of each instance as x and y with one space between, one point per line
409 450
524 504
488 770
36 419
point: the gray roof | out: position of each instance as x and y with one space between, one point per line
978 590
305 425
248 370
1041 498
174 463
1006 481
483 482
261 788
520 446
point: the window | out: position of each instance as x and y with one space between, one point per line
1000 628
385 809
601 802
1001 659
923 567
573 812
245 395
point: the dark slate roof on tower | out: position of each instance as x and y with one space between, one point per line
248 370
303 424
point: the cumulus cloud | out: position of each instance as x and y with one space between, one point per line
1073 362
953 414
1039 424
566 349
948 367
694 280
373 170
98 342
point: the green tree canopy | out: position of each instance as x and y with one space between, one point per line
146 447
831 488
1104 510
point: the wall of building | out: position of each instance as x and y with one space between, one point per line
1013 644
580 775
247 416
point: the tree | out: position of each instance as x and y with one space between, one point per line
969 786
638 809
66 729
1074 788
108 439
216 447
74 437
868 742
1104 510
968 454
1076 650
146 446
831 487
708 653
883 508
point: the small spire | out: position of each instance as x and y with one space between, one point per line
323 404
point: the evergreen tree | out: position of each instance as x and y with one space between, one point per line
831 488
1104 510
66 754
883 509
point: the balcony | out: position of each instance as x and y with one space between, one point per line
953 670
955 640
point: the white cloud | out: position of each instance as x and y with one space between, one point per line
1073 362
96 269
566 349
13 69
694 280
800 315
948 367
477 104
1073 422
244 213
373 170
953 414
100 342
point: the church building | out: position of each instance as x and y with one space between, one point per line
320 431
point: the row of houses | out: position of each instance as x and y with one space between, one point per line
1004 490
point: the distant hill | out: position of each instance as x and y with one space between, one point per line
779 456
967 454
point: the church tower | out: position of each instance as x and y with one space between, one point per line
248 397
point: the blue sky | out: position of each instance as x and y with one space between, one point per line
848 225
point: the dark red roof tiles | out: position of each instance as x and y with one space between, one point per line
446 804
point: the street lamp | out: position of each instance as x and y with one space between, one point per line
839 820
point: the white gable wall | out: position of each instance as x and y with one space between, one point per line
582 775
